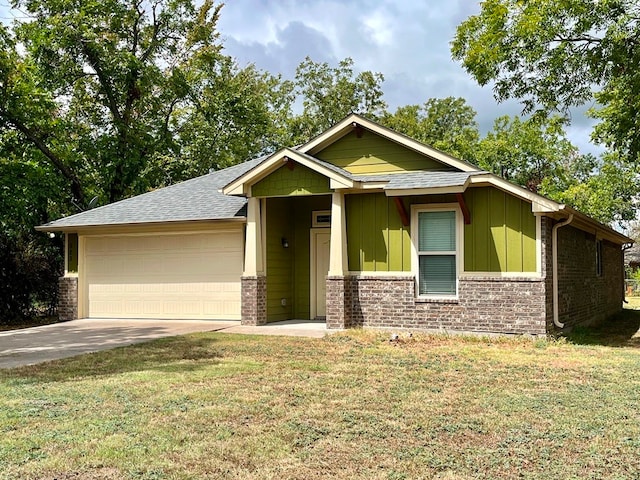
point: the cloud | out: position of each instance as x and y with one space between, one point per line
407 41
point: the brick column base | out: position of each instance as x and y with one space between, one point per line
67 298
338 302
254 300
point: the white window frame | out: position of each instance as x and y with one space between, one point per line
415 253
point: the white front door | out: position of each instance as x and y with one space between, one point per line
320 241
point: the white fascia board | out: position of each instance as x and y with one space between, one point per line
336 132
335 178
240 185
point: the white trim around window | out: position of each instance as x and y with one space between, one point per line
416 253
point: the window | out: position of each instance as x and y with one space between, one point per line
599 258
321 218
436 247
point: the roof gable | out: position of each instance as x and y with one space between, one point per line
358 123
291 179
363 152
338 178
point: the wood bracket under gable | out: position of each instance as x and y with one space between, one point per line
463 206
402 211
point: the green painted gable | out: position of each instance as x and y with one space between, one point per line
372 154
286 181
502 233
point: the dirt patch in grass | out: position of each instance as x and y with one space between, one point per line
95 474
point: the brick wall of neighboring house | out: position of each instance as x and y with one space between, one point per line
67 298
485 304
584 296
254 300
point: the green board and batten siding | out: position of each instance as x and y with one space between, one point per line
279 259
500 239
298 180
373 155
289 269
502 233
376 239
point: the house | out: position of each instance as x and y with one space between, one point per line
361 226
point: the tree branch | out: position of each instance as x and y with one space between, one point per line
76 187
94 61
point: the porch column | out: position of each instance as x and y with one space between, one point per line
338 312
253 284
338 262
253 242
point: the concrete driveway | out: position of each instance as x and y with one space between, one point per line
67 339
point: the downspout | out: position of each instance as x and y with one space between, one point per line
554 248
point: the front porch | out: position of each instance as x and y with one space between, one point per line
289 252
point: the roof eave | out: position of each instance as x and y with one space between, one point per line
107 226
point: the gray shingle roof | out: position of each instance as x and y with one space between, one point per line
200 198
195 199
330 166
432 179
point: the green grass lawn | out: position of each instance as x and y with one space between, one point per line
352 405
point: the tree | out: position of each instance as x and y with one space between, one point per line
605 189
551 54
448 124
527 152
328 94
107 90
107 99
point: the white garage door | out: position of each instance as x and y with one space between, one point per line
187 276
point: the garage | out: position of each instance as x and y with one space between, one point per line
194 275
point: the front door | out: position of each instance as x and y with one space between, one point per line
319 270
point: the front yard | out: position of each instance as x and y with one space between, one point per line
352 405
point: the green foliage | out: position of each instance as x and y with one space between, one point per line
329 94
448 124
526 152
607 193
551 54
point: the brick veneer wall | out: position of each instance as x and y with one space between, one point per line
585 297
67 298
485 304
254 300
338 302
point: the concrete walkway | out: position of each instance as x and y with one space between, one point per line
67 339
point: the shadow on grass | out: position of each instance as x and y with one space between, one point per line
621 330
172 354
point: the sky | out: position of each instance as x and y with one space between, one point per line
408 41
